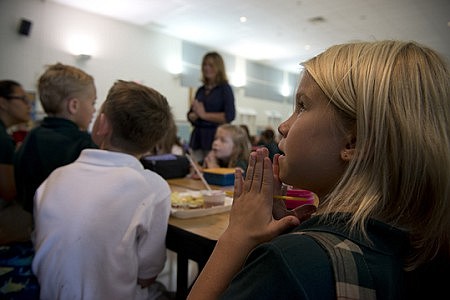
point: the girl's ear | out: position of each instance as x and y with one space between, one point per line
348 152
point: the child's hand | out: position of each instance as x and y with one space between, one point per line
210 160
279 207
251 220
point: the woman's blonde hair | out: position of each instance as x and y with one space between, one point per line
394 96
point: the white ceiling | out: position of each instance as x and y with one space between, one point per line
283 33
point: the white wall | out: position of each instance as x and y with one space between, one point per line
122 51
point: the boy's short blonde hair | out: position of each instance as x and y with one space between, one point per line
140 116
59 83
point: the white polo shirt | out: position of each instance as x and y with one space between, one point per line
101 223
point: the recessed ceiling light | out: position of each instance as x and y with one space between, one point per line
243 19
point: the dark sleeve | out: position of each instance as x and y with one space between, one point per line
229 107
290 268
7 149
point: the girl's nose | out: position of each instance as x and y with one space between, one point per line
283 128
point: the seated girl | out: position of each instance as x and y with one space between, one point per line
229 148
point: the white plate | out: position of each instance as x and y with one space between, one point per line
183 213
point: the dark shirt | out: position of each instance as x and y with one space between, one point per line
54 143
294 266
220 99
7 146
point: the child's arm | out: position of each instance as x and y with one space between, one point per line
251 223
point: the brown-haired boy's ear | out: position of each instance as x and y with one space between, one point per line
103 128
349 151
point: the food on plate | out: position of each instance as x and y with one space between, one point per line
187 200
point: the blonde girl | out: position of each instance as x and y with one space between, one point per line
370 135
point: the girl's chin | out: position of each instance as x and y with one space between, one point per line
282 168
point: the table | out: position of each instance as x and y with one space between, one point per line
193 238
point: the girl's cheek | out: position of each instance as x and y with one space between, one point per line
230 150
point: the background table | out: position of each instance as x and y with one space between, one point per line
193 238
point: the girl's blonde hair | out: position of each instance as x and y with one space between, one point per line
241 151
394 96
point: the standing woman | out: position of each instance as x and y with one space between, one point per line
14 109
213 105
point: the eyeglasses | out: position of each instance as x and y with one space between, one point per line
24 99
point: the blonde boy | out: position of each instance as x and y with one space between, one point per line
68 96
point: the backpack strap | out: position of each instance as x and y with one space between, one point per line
352 275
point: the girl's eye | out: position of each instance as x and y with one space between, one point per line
299 107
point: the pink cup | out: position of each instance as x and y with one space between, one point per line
305 197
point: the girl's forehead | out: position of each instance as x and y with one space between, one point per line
223 132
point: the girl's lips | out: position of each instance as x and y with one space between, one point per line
281 145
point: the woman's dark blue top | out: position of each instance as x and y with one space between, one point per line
219 99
